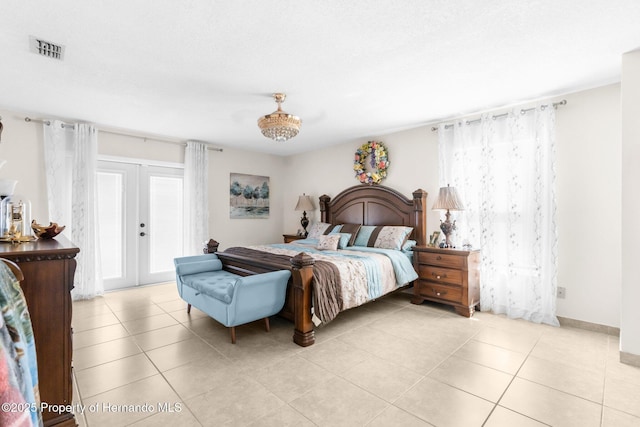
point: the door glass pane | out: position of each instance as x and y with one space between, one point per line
110 220
166 220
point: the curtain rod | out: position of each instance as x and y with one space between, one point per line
498 116
166 140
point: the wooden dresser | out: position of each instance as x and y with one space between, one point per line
448 276
48 267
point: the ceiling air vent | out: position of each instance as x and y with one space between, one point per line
45 48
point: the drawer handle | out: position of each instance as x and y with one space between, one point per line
439 293
438 257
437 276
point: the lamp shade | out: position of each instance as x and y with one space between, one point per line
305 203
448 199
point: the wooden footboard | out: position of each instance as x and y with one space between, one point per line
298 305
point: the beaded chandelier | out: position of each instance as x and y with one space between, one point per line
279 125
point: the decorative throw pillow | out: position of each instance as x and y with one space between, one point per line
352 229
344 239
328 242
318 230
389 237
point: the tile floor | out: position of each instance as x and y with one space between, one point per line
139 359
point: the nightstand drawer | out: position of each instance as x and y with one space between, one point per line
433 290
444 260
439 274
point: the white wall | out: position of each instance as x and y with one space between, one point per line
630 315
233 232
22 148
413 157
588 193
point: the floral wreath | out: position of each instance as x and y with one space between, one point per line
379 161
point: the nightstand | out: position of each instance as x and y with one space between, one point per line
288 238
448 276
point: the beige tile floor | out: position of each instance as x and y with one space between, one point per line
140 359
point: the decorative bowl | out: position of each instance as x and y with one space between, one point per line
46 231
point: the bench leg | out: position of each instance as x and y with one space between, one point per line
188 308
266 324
233 334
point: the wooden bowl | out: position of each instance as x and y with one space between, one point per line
46 232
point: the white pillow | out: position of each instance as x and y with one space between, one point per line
392 237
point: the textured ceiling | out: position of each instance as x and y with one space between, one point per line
205 69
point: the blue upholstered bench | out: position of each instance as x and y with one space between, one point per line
229 298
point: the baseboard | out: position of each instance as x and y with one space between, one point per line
626 358
630 359
593 327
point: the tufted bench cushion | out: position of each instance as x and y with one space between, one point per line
217 284
229 298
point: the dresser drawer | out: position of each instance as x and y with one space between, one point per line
439 274
444 260
433 290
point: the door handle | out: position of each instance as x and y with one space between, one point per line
142 234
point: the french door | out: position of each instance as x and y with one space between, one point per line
140 222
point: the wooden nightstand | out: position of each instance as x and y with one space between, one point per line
448 276
288 238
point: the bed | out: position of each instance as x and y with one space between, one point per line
361 205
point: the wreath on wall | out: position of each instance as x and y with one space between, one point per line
378 160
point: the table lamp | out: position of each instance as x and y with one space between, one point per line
304 204
448 200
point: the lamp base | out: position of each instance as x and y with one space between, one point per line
447 228
304 222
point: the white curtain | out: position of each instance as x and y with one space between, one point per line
196 197
70 165
504 170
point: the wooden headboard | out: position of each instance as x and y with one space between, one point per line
377 205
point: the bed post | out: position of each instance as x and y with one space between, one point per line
324 203
302 273
420 216
211 247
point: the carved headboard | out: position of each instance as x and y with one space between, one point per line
377 205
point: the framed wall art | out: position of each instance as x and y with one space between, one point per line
249 196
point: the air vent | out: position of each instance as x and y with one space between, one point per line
45 48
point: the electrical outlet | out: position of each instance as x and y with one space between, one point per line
562 292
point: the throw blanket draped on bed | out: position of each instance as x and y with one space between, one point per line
327 290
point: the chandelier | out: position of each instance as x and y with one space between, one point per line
279 125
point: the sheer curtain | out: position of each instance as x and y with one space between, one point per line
196 197
70 166
504 170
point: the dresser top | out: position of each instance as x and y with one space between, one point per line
58 245
448 251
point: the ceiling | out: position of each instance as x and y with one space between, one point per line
206 69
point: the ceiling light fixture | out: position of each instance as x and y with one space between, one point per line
279 125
